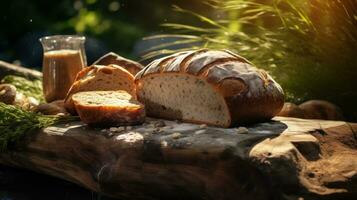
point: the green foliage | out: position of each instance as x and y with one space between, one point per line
308 46
94 19
119 24
27 87
16 123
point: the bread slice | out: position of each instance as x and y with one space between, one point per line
108 108
113 58
99 77
208 86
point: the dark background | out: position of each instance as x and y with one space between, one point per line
109 25
17 184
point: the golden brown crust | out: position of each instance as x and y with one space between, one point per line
251 94
101 114
108 116
231 86
76 87
89 72
113 58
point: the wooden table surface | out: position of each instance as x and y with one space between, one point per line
285 158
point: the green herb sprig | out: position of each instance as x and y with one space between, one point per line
16 123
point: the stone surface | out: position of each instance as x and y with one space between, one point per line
286 158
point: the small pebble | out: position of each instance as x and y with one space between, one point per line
164 144
203 126
116 129
113 129
130 137
159 124
156 130
146 134
169 127
151 126
176 135
200 132
110 134
120 129
242 130
129 128
103 130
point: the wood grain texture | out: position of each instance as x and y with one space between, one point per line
283 159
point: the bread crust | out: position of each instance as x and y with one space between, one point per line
106 116
113 58
251 94
89 73
100 114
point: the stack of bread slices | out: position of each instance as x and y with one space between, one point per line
213 87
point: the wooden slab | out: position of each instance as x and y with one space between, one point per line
284 158
11 69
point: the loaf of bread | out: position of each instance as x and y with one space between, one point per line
113 58
108 108
99 77
208 86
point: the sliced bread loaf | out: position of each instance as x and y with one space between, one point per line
99 77
113 58
208 86
108 108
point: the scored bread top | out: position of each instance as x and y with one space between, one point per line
95 73
222 68
113 58
250 93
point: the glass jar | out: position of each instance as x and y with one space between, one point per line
63 57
